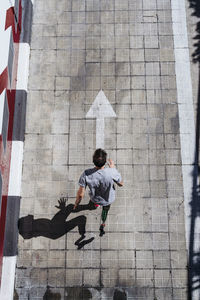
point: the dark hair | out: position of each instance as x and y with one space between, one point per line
99 158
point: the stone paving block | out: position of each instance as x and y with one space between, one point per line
93 83
108 55
165 29
153 82
64 30
169 97
135 16
167 68
144 278
168 82
157 172
121 16
140 141
179 278
109 277
44 17
36 157
126 259
122 55
92 42
107 17
149 5
136 29
155 126
161 259
140 156
174 172
135 5
44 42
127 277
164 5
137 69
64 5
177 241
62 83
164 16
38 277
162 278
144 259
151 30
156 156
56 277
139 97
122 30
110 259
155 111
140 126
158 189
123 82
152 55
56 259
136 41
76 42
138 82
91 259
152 69
123 97
124 157
91 277
24 259
166 55
154 96
156 141
179 259
180 293
78 17
137 55
108 83
160 241
73 277
63 43
150 16
173 156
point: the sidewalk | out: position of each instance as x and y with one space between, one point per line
125 49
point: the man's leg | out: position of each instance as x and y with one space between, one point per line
104 215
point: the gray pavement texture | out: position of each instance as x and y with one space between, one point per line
124 48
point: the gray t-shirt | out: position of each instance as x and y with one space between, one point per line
101 184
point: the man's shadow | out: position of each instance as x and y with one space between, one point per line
57 226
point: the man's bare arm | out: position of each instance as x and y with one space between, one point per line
79 196
112 165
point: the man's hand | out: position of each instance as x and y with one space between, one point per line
111 163
75 206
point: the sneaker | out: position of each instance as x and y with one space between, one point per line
101 228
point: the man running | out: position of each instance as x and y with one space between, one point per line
100 181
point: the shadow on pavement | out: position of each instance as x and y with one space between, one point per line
194 253
57 226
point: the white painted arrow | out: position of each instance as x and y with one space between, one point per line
100 109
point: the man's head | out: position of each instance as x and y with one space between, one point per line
99 158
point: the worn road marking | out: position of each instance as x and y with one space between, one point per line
100 109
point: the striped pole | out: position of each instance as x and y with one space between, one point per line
15 30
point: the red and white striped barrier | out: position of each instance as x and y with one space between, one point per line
15 32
